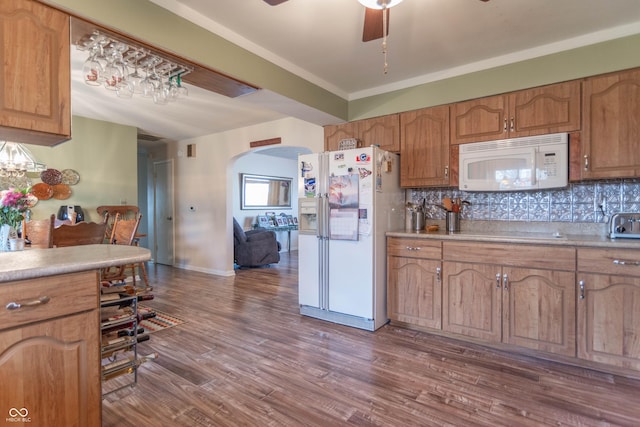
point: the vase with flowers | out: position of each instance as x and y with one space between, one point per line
14 203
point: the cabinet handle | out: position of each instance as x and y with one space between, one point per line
438 274
581 282
16 305
446 171
505 282
498 280
623 262
504 128
512 125
410 248
586 162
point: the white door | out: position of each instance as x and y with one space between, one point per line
164 212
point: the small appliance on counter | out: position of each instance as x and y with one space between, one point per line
625 225
65 212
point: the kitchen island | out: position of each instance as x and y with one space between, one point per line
50 332
573 298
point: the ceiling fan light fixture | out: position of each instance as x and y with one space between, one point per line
379 4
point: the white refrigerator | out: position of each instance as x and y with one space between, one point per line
348 200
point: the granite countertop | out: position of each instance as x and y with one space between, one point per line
34 263
541 233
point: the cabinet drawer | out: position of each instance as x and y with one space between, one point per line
67 293
531 256
609 261
414 248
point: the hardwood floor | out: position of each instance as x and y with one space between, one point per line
246 357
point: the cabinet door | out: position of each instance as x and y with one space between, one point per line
611 128
609 319
539 310
35 104
482 119
333 134
383 131
50 371
414 293
424 140
543 110
471 300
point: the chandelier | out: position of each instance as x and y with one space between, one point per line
130 70
16 160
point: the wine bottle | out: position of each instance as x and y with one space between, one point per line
130 332
143 316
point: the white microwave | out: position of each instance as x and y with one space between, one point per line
528 163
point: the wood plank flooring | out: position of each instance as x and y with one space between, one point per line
246 357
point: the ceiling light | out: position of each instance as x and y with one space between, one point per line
16 160
379 4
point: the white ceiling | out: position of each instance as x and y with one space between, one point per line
320 40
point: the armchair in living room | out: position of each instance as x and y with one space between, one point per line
254 248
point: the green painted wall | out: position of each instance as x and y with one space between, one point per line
104 155
600 58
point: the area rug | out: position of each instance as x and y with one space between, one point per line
159 322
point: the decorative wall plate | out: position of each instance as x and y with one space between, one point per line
51 176
42 191
70 177
61 191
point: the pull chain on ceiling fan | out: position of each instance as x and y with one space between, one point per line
372 28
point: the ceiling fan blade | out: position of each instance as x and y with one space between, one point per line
373 24
274 2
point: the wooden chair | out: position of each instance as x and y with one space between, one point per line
39 232
121 211
82 233
124 212
123 233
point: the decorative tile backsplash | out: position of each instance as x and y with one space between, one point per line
578 203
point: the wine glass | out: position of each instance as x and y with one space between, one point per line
92 70
135 79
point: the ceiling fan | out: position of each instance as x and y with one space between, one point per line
373 16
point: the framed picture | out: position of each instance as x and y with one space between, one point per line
289 220
263 221
280 222
295 220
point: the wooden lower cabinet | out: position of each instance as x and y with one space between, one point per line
513 294
609 307
49 353
414 285
471 301
415 291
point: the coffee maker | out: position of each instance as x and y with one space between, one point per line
66 212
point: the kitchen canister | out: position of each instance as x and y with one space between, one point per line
453 222
414 218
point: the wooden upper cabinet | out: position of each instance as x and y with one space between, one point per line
333 134
424 146
480 119
611 128
35 82
537 111
382 131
